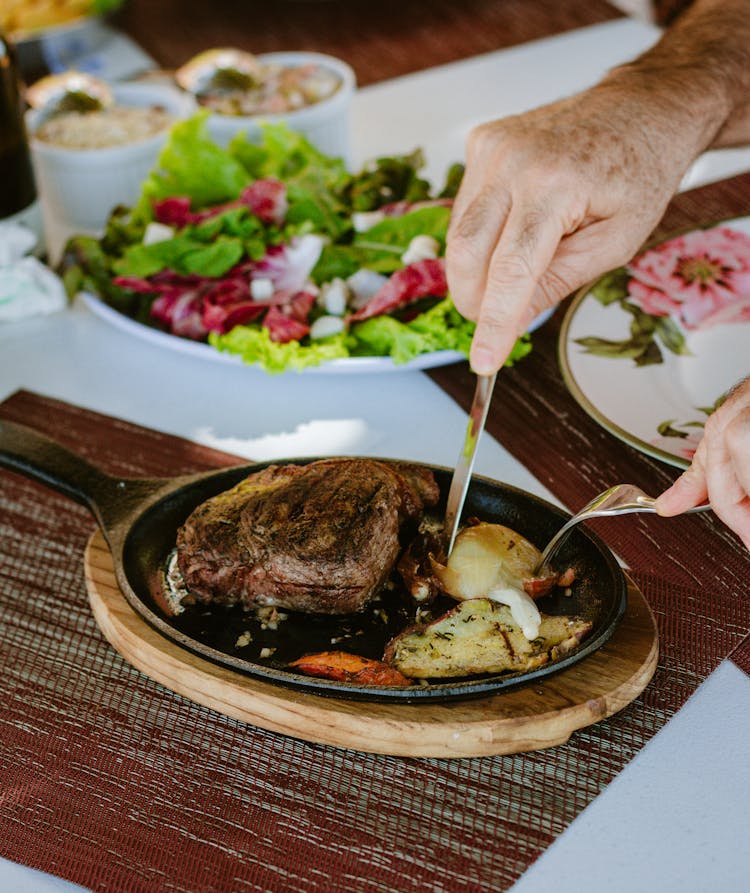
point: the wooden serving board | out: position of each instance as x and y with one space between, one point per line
539 715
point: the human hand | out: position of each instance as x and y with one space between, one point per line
720 470
555 197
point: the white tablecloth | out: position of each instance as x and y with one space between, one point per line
675 818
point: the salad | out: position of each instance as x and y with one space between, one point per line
277 254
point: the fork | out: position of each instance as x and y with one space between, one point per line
622 499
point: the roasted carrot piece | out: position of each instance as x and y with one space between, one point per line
345 667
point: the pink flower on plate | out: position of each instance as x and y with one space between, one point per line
700 279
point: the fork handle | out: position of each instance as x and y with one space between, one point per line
644 504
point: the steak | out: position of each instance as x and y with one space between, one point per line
322 537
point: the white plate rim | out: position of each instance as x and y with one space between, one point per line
577 390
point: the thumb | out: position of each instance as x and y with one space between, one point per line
688 490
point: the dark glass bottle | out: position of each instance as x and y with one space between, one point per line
17 189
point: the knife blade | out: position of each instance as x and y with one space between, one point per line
462 475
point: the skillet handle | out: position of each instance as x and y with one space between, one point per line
36 456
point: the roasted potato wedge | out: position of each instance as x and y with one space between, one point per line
479 636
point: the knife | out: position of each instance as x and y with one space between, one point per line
462 475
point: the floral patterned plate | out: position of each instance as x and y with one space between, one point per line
650 349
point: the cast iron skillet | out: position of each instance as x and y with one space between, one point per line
140 517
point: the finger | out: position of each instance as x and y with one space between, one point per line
690 489
476 225
738 443
527 245
729 481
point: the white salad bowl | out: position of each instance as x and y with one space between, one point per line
325 123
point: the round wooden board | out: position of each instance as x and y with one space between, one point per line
539 715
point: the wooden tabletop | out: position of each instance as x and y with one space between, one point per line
380 40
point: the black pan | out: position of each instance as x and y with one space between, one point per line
140 517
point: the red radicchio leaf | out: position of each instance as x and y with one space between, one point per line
180 310
290 321
417 280
266 198
174 211
137 284
222 318
282 328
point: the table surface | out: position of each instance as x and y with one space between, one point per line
675 816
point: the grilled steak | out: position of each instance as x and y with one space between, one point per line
322 537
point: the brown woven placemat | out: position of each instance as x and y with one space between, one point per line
111 781
741 655
379 40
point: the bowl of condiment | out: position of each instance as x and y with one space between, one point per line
310 92
88 160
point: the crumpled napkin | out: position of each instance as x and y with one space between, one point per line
27 286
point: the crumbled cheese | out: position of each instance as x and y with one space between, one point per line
261 289
266 652
157 232
245 639
421 247
334 296
364 285
364 220
325 326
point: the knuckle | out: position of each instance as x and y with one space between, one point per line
712 429
481 137
557 284
467 224
737 434
460 248
510 270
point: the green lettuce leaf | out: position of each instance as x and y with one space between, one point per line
380 247
439 328
285 154
253 345
182 254
191 164
392 179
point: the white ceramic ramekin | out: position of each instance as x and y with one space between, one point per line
79 188
325 123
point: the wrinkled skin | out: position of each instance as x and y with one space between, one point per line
720 471
555 197
552 199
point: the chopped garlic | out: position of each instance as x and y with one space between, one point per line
245 639
157 232
421 248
